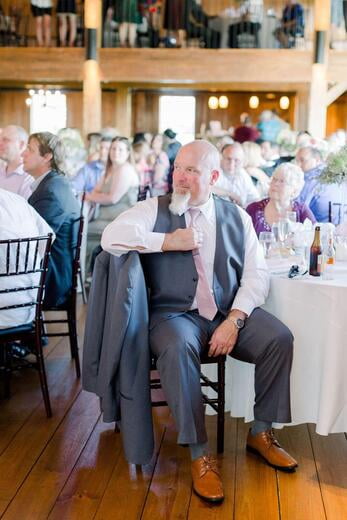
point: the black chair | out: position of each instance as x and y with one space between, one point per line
69 306
27 258
217 403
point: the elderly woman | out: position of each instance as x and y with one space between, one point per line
286 183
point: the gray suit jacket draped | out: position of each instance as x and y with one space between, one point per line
116 359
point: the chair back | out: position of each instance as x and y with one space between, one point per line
76 264
337 212
26 257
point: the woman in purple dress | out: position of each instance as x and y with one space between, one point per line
286 183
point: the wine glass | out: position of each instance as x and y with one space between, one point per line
282 230
291 216
266 239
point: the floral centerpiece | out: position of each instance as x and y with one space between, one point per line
335 171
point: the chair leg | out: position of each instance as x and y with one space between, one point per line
42 374
73 340
221 406
84 294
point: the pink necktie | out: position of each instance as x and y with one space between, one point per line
204 298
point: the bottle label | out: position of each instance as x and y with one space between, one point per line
319 263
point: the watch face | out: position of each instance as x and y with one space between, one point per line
240 323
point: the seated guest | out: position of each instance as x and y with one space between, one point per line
143 168
17 220
207 278
248 21
160 164
234 182
246 131
315 194
54 200
254 164
286 184
13 140
116 191
292 24
89 175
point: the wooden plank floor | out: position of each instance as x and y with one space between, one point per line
72 465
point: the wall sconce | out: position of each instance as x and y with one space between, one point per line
253 102
223 102
284 102
213 102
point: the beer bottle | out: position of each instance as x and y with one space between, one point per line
316 257
330 252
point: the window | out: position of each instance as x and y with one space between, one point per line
47 111
178 113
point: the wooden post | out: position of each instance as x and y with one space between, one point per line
123 111
317 113
91 70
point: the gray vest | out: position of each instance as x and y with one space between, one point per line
172 277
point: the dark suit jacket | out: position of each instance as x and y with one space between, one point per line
116 354
54 201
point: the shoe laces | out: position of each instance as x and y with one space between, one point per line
272 438
208 463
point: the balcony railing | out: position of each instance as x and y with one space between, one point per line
190 23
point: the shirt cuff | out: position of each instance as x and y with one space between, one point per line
155 242
245 306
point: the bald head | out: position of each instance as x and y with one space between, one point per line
233 158
197 167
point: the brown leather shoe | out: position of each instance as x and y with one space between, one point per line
206 480
266 445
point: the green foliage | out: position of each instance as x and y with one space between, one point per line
336 168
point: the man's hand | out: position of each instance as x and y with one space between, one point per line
223 339
182 240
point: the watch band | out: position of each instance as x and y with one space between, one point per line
236 321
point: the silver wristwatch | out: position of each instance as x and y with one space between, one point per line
238 322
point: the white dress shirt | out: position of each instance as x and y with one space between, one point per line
17 181
17 220
133 231
241 184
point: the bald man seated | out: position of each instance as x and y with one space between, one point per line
207 278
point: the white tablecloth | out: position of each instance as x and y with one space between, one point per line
315 311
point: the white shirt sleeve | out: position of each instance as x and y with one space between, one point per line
132 230
250 191
254 286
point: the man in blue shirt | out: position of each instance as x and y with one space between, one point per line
89 175
315 194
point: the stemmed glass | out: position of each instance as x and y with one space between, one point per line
266 239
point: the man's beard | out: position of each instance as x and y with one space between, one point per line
179 202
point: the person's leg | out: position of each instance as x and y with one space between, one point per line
268 343
132 34
177 343
39 31
62 29
72 29
47 30
123 32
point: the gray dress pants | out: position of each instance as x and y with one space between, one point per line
264 341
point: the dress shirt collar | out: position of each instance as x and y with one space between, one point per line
207 208
314 172
38 180
17 171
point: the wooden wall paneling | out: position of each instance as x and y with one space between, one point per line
337 115
74 106
109 99
145 111
13 110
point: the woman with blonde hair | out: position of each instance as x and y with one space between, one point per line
253 164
